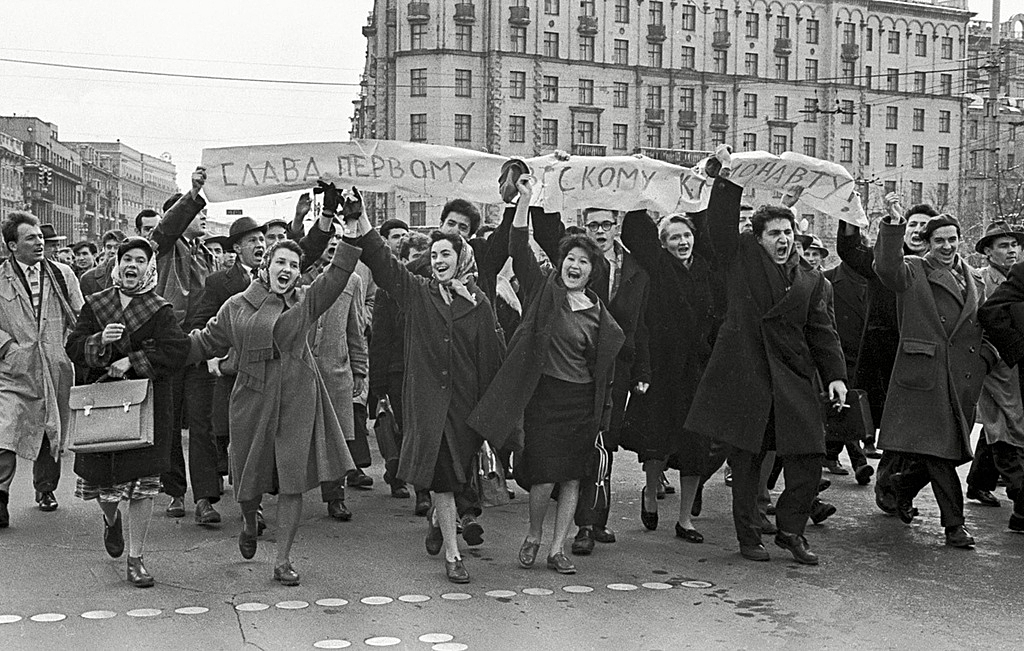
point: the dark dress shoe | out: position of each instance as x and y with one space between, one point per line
247 544
176 509
137 574
864 474
669 488
836 468
205 513
583 543
871 452
285 574
821 511
560 563
337 510
1016 522
649 518
472 531
602 535
797 545
46 501
422 503
824 485
698 502
5 516
958 536
689 535
113 537
528 553
985 497
754 552
400 492
456 571
905 510
885 500
358 479
435 539
768 527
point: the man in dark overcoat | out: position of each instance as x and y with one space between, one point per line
940 365
776 334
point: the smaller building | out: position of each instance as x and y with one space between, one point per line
12 175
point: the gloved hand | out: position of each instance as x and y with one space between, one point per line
352 204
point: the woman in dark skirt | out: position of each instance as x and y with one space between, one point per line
452 352
128 331
555 380
683 314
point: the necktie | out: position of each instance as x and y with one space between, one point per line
255 272
34 287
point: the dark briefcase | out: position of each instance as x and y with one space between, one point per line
851 423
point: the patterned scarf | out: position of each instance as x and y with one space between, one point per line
465 273
106 305
263 272
147 281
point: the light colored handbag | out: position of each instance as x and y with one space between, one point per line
111 416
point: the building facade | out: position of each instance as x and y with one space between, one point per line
874 85
12 175
98 192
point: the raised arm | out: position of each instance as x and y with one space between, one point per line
853 251
723 220
315 242
174 222
548 231
330 284
302 207
890 266
389 274
640 236
524 264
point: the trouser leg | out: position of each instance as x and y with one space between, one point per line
832 450
332 490
746 473
359 447
45 469
856 454
802 473
202 444
1009 460
8 464
948 492
913 474
219 419
764 496
890 464
983 475
173 479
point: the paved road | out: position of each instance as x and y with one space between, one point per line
881 584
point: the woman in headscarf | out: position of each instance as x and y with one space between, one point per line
452 352
555 382
285 436
128 331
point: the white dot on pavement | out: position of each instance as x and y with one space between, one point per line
657 585
456 596
450 646
251 607
696 584
382 641
9 619
99 614
434 638
332 644
376 601
192 610
48 617
501 593
578 589
292 605
537 592
330 603
143 612
622 587
414 598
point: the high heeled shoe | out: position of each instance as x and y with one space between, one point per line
649 518
528 553
137 574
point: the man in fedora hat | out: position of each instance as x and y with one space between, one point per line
216 245
999 407
52 242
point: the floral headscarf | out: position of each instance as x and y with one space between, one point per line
465 272
147 281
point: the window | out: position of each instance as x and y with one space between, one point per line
718 102
750 64
585 132
943 158
811 70
782 27
849 33
518 39
653 136
586 89
654 51
869 73
892 117
688 58
517 128
749 142
686 99
418 82
915 192
620 136
780 143
550 89
587 48
551 44
918 120
811 147
869 39
945 84
720 60
749 105
689 18
463 127
894 42
944 119
920 45
464 38
418 127
686 138
654 97
890 154
846 150
813 29
917 157
1011 161
972 160
865 153
721 20
941 194
753 25
920 78
517 84
417 213
620 94
549 133
587 7
972 129
1013 133
810 110
946 47
417 34
551 7
781 67
890 186
865 115
892 79
463 83
781 107
848 72
621 53
622 11
656 13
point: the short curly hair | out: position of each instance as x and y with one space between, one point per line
766 213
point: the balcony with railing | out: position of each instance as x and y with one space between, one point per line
656 33
654 116
588 149
687 119
850 52
721 40
784 46
681 157
587 26
519 16
719 121
465 13
419 13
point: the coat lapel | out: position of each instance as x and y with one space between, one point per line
803 283
14 279
970 304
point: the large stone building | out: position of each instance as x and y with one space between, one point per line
874 85
12 175
99 192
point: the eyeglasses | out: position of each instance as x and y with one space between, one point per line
600 226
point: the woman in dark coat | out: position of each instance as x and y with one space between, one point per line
452 353
683 315
128 331
556 380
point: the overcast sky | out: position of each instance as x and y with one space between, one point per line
310 40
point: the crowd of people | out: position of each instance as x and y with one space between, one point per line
694 340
